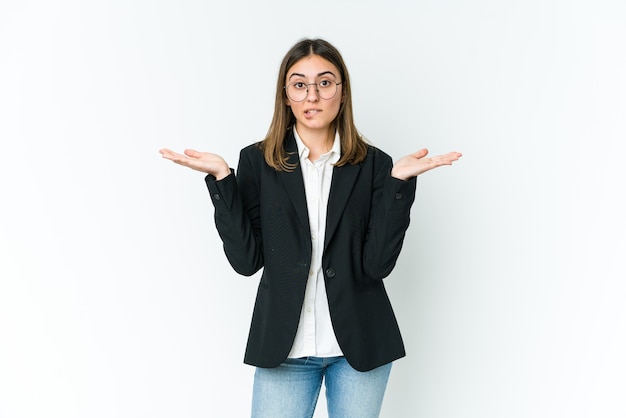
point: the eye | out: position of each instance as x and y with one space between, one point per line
299 85
326 83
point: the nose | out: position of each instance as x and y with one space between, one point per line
313 91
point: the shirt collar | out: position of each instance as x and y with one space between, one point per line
303 150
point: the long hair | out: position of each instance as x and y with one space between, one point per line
353 145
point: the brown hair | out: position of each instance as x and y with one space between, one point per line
353 145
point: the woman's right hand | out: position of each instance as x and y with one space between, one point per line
202 161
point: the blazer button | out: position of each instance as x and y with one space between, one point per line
399 196
217 196
330 273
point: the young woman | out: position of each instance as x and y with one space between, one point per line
324 214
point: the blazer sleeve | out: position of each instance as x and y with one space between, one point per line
389 219
237 216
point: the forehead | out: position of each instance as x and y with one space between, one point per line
312 66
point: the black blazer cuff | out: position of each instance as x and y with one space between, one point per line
222 191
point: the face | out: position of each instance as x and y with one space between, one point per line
314 113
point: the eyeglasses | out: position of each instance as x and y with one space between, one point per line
298 91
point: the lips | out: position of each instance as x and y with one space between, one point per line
311 112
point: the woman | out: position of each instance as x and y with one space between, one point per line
324 214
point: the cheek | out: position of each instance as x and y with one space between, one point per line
294 106
337 105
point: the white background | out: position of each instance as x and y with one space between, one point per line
115 297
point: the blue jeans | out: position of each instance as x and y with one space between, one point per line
291 390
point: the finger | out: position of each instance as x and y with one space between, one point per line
193 153
420 154
453 156
166 153
448 158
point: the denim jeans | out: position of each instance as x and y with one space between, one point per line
291 390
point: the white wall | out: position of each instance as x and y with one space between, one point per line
115 297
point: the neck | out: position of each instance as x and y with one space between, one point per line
318 142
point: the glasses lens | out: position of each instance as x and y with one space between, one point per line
327 89
297 91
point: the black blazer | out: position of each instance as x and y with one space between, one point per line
261 216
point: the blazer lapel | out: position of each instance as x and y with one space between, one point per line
293 181
340 189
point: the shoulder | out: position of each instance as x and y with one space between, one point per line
252 153
377 156
252 149
376 152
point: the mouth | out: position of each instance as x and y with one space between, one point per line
311 112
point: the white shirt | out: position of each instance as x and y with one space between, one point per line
315 335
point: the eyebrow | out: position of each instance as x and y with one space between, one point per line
319 74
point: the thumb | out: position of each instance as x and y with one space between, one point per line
192 153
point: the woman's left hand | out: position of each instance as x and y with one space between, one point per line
417 163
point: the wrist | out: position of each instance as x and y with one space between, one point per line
222 174
396 173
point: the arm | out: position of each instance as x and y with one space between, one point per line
237 217
238 223
391 203
393 194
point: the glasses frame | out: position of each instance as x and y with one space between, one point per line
317 90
